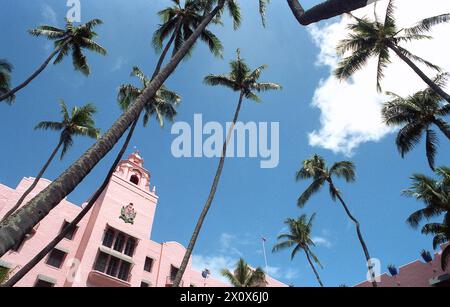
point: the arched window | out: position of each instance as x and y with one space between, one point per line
134 179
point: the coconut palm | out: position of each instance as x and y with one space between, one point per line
417 114
12 231
316 169
371 38
72 39
162 105
243 80
244 276
5 79
79 122
435 194
299 238
325 10
178 23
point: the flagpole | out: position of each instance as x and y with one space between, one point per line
264 252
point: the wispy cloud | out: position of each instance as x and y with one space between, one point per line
351 110
119 63
321 241
49 14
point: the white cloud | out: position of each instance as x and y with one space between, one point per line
214 264
118 64
321 241
350 111
49 14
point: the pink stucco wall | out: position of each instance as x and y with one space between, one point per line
82 251
415 274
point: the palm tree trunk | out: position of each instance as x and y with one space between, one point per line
210 199
35 182
358 231
13 230
36 259
35 74
166 50
325 10
33 262
420 73
313 267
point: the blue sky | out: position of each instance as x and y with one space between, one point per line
251 202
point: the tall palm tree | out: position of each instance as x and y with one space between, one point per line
371 38
162 105
244 276
417 114
299 238
79 122
243 80
316 169
179 22
12 231
5 79
435 194
72 39
325 10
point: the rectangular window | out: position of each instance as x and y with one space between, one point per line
124 271
129 247
113 267
148 264
108 239
100 264
70 235
118 244
43 284
173 272
144 285
56 258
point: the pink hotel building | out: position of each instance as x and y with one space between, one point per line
111 246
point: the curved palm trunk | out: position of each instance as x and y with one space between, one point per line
34 184
166 50
358 231
35 74
33 262
325 10
313 267
210 199
36 259
420 73
14 229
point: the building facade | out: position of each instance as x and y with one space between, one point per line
111 246
419 273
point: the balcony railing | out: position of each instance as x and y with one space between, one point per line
103 280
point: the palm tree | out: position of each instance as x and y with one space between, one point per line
12 231
243 80
316 169
435 194
417 114
5 79
162 105
325 10
369 39
244 276
178 23
77 123
299 237
72 39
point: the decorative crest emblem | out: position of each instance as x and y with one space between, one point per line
128 214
